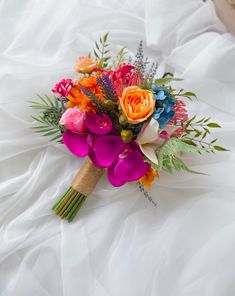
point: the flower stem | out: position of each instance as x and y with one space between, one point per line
69 204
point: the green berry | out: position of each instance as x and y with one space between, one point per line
108 104
123 119
126 135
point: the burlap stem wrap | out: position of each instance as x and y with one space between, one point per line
87 178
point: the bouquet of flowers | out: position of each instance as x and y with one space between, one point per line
123 120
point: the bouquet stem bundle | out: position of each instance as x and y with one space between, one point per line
82 186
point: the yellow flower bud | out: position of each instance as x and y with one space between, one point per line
108 104
126 135
123 119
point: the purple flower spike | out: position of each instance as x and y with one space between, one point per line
76 143
107 149
99 125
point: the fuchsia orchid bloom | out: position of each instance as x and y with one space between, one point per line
129 166
99 125
80 143
124 162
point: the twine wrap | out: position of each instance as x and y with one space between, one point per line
87 178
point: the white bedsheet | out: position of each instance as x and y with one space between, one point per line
120 244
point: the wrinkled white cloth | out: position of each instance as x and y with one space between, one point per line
121 244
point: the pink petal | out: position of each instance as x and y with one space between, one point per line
107 149
131 168
112 177
76 143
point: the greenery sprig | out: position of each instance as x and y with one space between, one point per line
120 58
50 111
167 155
101 52
197 131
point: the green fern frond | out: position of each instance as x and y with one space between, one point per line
174 163
167 154
50 111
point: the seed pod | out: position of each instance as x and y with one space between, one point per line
108 104
126 135
123 119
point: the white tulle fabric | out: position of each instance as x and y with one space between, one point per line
121 244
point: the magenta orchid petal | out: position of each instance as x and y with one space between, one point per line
99 125
93 158
113 179
131 167
76 143
107 149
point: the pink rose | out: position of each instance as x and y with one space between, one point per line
74 120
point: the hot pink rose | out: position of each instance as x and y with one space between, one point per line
74 120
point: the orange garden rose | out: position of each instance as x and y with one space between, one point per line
85 65
77 98
137 104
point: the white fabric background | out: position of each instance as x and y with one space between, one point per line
120 244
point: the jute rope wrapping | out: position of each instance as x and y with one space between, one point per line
87 178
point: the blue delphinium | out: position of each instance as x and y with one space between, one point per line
164 108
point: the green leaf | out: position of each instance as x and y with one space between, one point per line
190 142
190 94
105 37
49 113
220 148
96 54
204 135
207 119
162 81
176 163
97 46
106 58
40 127
52 132
213 125
50 101
212 142
43 100
58 137
206 129
173 146
201 120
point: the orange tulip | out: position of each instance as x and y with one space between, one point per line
137 104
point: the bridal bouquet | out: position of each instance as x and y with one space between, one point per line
126 123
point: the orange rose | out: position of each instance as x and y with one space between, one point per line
137 104
85 65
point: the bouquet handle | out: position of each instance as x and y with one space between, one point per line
82 186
